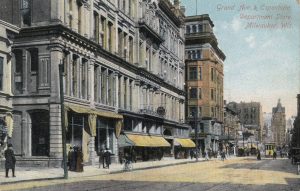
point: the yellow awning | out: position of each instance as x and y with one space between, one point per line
188 143
148 141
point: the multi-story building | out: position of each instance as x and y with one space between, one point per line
229 134
7 33
251 116
123 72
278 124
204 78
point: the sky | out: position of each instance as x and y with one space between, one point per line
263 58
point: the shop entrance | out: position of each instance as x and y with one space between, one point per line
40 133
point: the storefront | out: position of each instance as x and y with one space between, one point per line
143 147
183 147
92 130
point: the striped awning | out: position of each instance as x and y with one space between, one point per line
148 141
187 143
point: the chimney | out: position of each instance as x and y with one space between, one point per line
298 105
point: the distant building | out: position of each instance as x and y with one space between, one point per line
204 78
278 124
250 115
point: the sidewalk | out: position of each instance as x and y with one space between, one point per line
33 174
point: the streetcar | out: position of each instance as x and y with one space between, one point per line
269 149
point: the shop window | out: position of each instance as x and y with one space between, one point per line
105 135
77 122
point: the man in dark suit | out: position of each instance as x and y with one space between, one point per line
10 160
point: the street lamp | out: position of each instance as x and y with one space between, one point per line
62 110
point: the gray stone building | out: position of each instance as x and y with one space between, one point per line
123 74
278 124
7 33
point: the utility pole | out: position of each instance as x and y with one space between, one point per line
195 114
62 110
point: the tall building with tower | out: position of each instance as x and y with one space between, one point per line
279 124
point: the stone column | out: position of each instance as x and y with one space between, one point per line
56 58
25 75
80 71
90 79
92 152
136 92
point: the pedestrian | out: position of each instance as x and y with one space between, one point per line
223 155
107 158
206 155
70 153
10 160
274 155
79 161
258 155
73 159
192 154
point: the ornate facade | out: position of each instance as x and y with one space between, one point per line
123 62
7 33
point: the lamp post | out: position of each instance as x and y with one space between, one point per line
62 110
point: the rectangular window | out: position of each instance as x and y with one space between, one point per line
34 60
120 40
193 93
26 12
103 35
130 49
103 85
200 111
212 94
193 73
200 73
212 112
74 77
109 36
192 111
96 84
198 54
212 74
200 93
1 73
96 27
83 79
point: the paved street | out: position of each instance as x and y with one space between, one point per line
234 174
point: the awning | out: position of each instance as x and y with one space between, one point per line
188 143
92 116
148 141
124 141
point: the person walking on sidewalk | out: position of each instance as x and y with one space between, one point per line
206 155
106 158
10 160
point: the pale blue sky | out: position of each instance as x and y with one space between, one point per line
261 64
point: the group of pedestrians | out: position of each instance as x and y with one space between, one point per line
75 159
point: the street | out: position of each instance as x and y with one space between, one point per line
234 174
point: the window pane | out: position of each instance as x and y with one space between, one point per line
193 93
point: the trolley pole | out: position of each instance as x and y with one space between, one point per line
62 110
